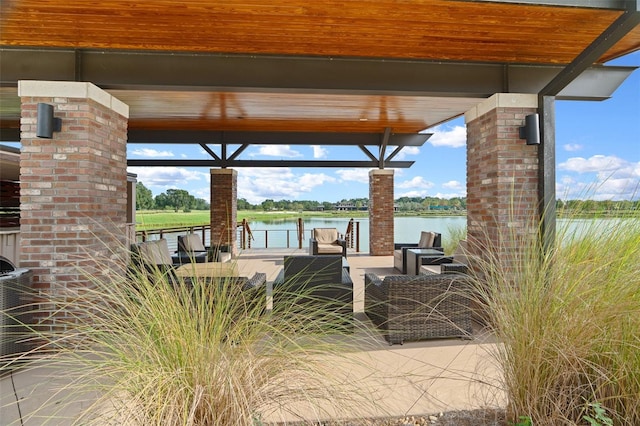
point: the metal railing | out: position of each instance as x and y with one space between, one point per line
248 238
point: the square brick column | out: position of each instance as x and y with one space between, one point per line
381 212
73 193
224 208
502 174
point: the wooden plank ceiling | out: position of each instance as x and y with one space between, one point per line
430 30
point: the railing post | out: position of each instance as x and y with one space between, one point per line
300 232
244 234
358 237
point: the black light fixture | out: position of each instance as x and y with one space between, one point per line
531 129
47 123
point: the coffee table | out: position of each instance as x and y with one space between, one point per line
416 257
208 270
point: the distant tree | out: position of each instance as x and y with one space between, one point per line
268 205
201 204
162 201
243 204
177 199
144 197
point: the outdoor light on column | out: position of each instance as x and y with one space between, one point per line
531 129
46 122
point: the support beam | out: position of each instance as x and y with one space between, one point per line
269 163
547 171
139 70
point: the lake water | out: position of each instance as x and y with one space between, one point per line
282 233
406 229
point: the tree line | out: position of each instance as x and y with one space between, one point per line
179 199
173 199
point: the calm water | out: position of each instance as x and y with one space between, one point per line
282 233
406 229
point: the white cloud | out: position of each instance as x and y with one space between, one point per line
407 150
455 137
258 184
597 163
571 147
357 175
277 151
410 194
416 182
454 185
319 152
613 178
165 177
148 152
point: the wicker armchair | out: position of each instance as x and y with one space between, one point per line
420 307
327 241
400 249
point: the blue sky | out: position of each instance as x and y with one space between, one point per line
597 154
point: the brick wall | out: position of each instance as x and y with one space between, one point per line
224 207
73 187
502 178
381 212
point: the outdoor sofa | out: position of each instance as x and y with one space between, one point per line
314 284
419 307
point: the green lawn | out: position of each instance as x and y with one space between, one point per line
154 219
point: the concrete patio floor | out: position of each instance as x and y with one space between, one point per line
416 378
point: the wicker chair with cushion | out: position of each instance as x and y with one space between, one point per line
153 257
419 307
327 241
316 282
432 240
191 249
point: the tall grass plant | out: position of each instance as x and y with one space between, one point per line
568 319
145 348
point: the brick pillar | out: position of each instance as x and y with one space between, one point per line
381 212
224 208
502 174
73 186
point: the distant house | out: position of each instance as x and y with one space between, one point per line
345 207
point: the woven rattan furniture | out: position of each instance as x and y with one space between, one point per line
428 240
320 281
416 308
327 241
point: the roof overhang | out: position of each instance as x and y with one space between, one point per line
383 68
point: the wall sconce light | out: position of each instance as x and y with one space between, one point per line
531 129
47 123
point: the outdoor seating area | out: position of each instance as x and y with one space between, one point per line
154 256
426 343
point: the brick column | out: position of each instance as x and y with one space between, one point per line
73 186
224 208
502 174
381 212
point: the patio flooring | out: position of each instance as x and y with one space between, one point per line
417 378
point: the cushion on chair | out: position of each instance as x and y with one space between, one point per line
155 252
426 239
192 242
325 235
